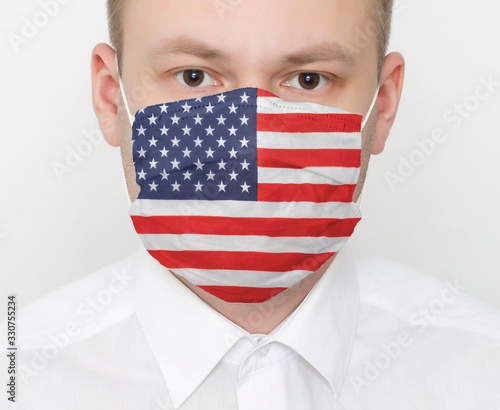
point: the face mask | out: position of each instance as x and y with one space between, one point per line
242 193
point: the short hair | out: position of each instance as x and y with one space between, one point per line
116 12
379 10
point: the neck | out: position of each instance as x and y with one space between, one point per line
262 318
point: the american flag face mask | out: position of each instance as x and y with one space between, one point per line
242 193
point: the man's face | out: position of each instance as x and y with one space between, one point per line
322 51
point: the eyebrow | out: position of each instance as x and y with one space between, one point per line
331 51
186 45
326 51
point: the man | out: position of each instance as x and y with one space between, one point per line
144 334
349 84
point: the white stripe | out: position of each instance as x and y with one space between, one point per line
202 277
273 105
310 140
242 209
310 175
237 243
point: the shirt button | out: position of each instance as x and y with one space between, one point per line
263 351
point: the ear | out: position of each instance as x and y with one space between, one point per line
391 87
104 91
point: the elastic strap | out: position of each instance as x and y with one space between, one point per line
365 119
131 118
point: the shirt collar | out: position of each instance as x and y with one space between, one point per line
188 346
323 327
187 337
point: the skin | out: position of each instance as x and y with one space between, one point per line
255 44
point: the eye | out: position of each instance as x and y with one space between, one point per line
307 81
195 78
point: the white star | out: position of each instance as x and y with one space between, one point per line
198 186
152 119
176 186
210 153
222 98
198 99
232 130
152 142
175 142
222 187
164 152
221 142
198 142
222 164
164 175
244 120
186 130
175 164
197 119
142 174
175 119
232 109
187 175
164 108
198 164
244 98
142 153
244 142
164 130
245 187
210 130
186 107
210 175
221 120
141 130
186 153
153 186
233 153
153 163
233 175
245 165
141 111
210 108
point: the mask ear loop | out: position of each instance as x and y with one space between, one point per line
374 101
363 123
131 119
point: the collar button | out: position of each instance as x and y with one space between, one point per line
263 351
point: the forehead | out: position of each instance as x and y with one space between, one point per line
255 27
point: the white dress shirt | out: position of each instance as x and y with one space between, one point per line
370 335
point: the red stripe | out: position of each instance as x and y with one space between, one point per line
303 158
258 261
238 294
305 193
273 227
304 122
264 93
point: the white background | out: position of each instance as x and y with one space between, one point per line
443 219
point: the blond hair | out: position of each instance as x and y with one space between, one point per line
380 11
116 11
